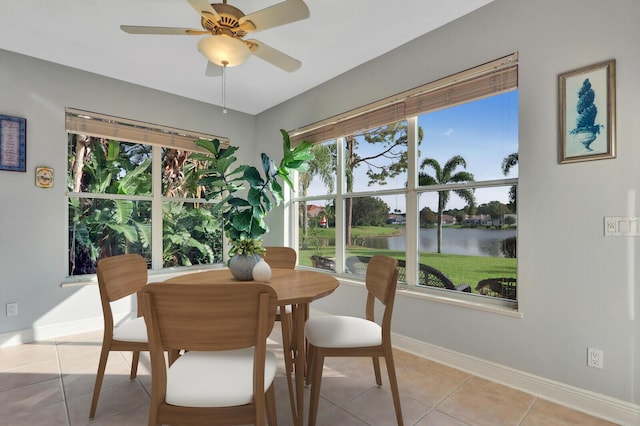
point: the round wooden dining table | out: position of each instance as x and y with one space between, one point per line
293 287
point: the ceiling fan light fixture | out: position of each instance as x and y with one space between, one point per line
221 49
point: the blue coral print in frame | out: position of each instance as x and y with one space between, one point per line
587 113
13 143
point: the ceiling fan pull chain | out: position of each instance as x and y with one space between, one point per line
224 86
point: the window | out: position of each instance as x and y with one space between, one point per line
428 177
132 188
316 228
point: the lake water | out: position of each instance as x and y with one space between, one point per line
467 241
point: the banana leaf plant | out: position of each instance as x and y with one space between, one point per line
246 195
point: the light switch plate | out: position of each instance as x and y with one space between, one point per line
621 226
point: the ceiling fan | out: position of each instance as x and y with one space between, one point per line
227 27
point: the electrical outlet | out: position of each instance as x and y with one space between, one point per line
12 309
594 358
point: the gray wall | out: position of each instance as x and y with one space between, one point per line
32 220
576 288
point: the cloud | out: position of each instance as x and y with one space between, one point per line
448 132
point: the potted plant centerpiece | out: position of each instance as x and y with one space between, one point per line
246 195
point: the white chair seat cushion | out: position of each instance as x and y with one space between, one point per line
215 379
134 330
342 332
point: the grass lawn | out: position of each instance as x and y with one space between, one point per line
459 268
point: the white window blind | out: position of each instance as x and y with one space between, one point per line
122 129
492 78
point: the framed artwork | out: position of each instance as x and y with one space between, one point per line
13 143
587 113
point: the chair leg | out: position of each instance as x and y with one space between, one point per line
270 398
102 364
316 380
287 334
134 364
393 384
153 417
376 370
309 363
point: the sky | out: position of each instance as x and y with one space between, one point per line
483 132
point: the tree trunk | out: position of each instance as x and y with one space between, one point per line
440 210
78 165
350 142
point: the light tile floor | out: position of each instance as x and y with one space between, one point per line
51 383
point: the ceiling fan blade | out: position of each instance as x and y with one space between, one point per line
205 10
213 70
278 14
132 29
274 56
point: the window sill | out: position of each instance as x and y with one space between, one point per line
160 275
468 301
465 301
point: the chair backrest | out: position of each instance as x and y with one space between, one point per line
381 282
121 276
214 317
281 257
206 317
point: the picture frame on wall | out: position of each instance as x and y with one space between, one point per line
13 143
587 111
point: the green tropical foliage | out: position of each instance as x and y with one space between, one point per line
509 162
323 165
245 195
191 235
100 227
105 226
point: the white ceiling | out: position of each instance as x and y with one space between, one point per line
338 36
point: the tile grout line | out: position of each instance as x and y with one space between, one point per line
64 393
528 410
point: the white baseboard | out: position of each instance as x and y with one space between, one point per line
591 403
34 334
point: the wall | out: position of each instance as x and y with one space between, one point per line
32 220
576 287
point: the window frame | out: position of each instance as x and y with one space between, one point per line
390 110
137 132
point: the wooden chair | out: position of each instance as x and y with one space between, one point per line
344 336
118 277
225 374
281 257
284 258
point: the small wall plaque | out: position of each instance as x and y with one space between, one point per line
44 177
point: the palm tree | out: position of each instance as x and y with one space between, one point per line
323 166
446 175
508 163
